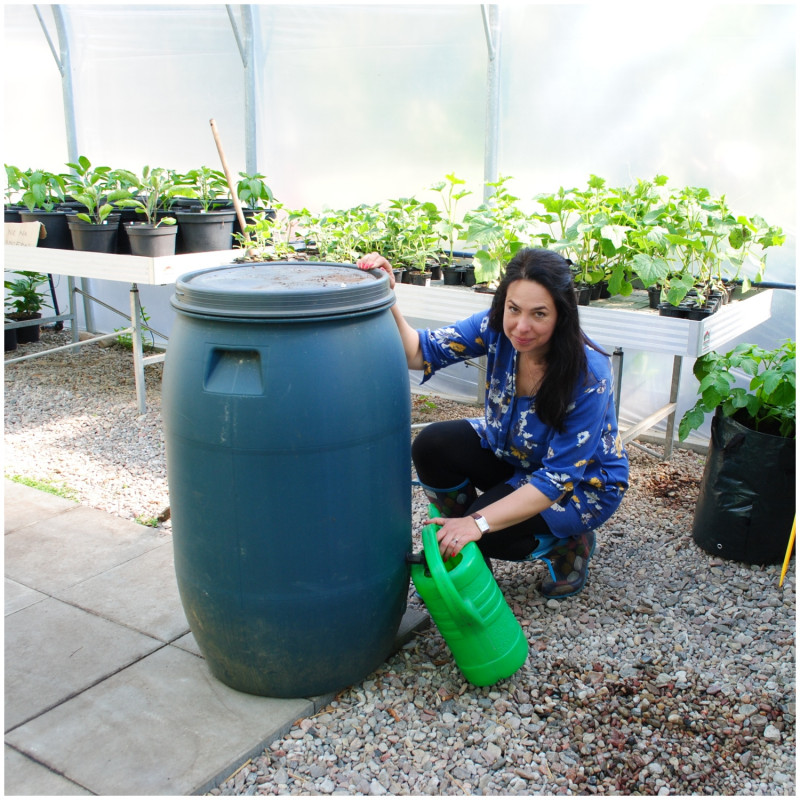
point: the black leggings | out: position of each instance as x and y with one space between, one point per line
445 454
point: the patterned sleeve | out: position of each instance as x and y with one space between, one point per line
453 343
571 450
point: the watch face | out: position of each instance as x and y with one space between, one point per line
482 523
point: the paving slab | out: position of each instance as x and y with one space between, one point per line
141 593
49 556
162 726
17 596
24 777
24 505
53 650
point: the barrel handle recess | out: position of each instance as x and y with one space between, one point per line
460 609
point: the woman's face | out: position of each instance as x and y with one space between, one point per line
529 317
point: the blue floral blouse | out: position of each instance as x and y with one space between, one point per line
586 460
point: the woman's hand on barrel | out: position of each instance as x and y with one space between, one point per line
377 261
454 533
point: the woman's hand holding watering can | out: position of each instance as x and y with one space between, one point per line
455 533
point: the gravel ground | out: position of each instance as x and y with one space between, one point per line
673 672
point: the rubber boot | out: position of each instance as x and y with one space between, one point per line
452 502
569 566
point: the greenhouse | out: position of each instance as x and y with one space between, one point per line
571 225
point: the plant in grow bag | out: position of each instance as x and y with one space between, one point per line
90 187
767 405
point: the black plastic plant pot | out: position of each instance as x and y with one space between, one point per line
669 310
204 232
453 276
89 237
126 218
700 312
583 294
654 296
29 333
146 240
11 214
419 278
55 226
10 339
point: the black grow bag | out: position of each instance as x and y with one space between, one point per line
747 495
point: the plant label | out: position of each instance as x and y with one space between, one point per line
23 234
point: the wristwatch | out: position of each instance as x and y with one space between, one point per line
481 523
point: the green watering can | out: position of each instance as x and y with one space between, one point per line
465 602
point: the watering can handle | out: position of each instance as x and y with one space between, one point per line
461 610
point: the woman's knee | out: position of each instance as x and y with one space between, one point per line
438 439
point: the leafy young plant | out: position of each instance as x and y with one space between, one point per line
42 190
344 235
253 192
24 296
499 228
709 243
90 187
13 188
589 227
749 238
411 232
449 228
156 187
767 405
267 236
204 184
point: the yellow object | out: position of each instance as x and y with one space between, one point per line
788 552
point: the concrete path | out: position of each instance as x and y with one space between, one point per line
106 692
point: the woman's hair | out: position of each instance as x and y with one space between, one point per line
566 357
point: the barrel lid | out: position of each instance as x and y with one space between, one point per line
282 290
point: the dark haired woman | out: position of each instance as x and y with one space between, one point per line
547 456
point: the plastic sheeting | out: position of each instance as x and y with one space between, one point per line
361 103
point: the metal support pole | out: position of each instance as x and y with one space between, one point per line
245 43
491 25
677 365
136 337
73 314
63 61
64 64
616 362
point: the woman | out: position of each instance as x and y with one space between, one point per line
547 456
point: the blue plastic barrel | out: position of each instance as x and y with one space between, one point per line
286 412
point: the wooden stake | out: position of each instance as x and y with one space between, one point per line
235 197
